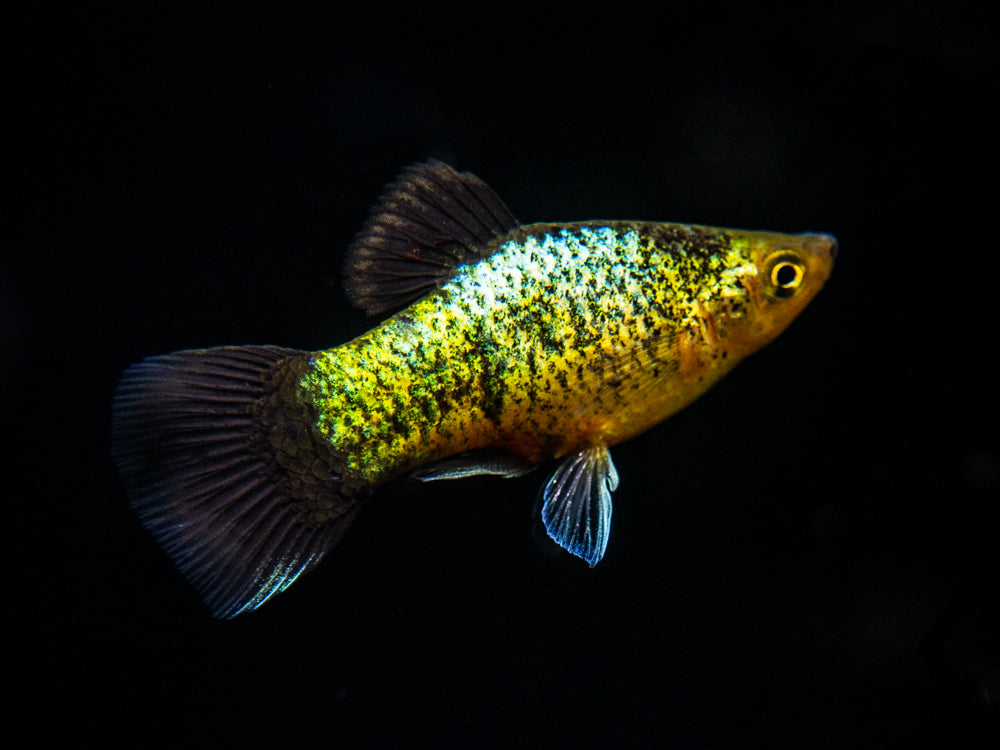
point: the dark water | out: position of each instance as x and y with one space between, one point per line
805 558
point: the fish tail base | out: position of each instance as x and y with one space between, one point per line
217 460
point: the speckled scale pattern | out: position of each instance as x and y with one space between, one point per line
548 345
310 469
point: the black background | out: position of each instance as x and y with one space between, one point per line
807 557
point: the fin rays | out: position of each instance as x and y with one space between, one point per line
576 507
485 462
195 464
428 222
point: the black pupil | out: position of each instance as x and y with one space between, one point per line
786 275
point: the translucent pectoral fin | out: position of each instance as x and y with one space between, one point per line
576 508
494 462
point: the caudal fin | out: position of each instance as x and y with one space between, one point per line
212 465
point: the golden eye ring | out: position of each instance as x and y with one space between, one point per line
784 275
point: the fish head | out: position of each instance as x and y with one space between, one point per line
783 274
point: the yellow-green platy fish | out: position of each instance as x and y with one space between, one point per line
521 344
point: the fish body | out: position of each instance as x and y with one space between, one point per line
521 344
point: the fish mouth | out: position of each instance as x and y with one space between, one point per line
822 245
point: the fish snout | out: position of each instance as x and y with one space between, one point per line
824 246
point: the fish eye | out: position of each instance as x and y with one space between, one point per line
785 275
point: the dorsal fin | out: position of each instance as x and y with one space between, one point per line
427 222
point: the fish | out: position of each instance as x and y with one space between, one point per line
504 346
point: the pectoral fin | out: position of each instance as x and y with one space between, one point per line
576 508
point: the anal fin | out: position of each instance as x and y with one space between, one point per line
486 462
